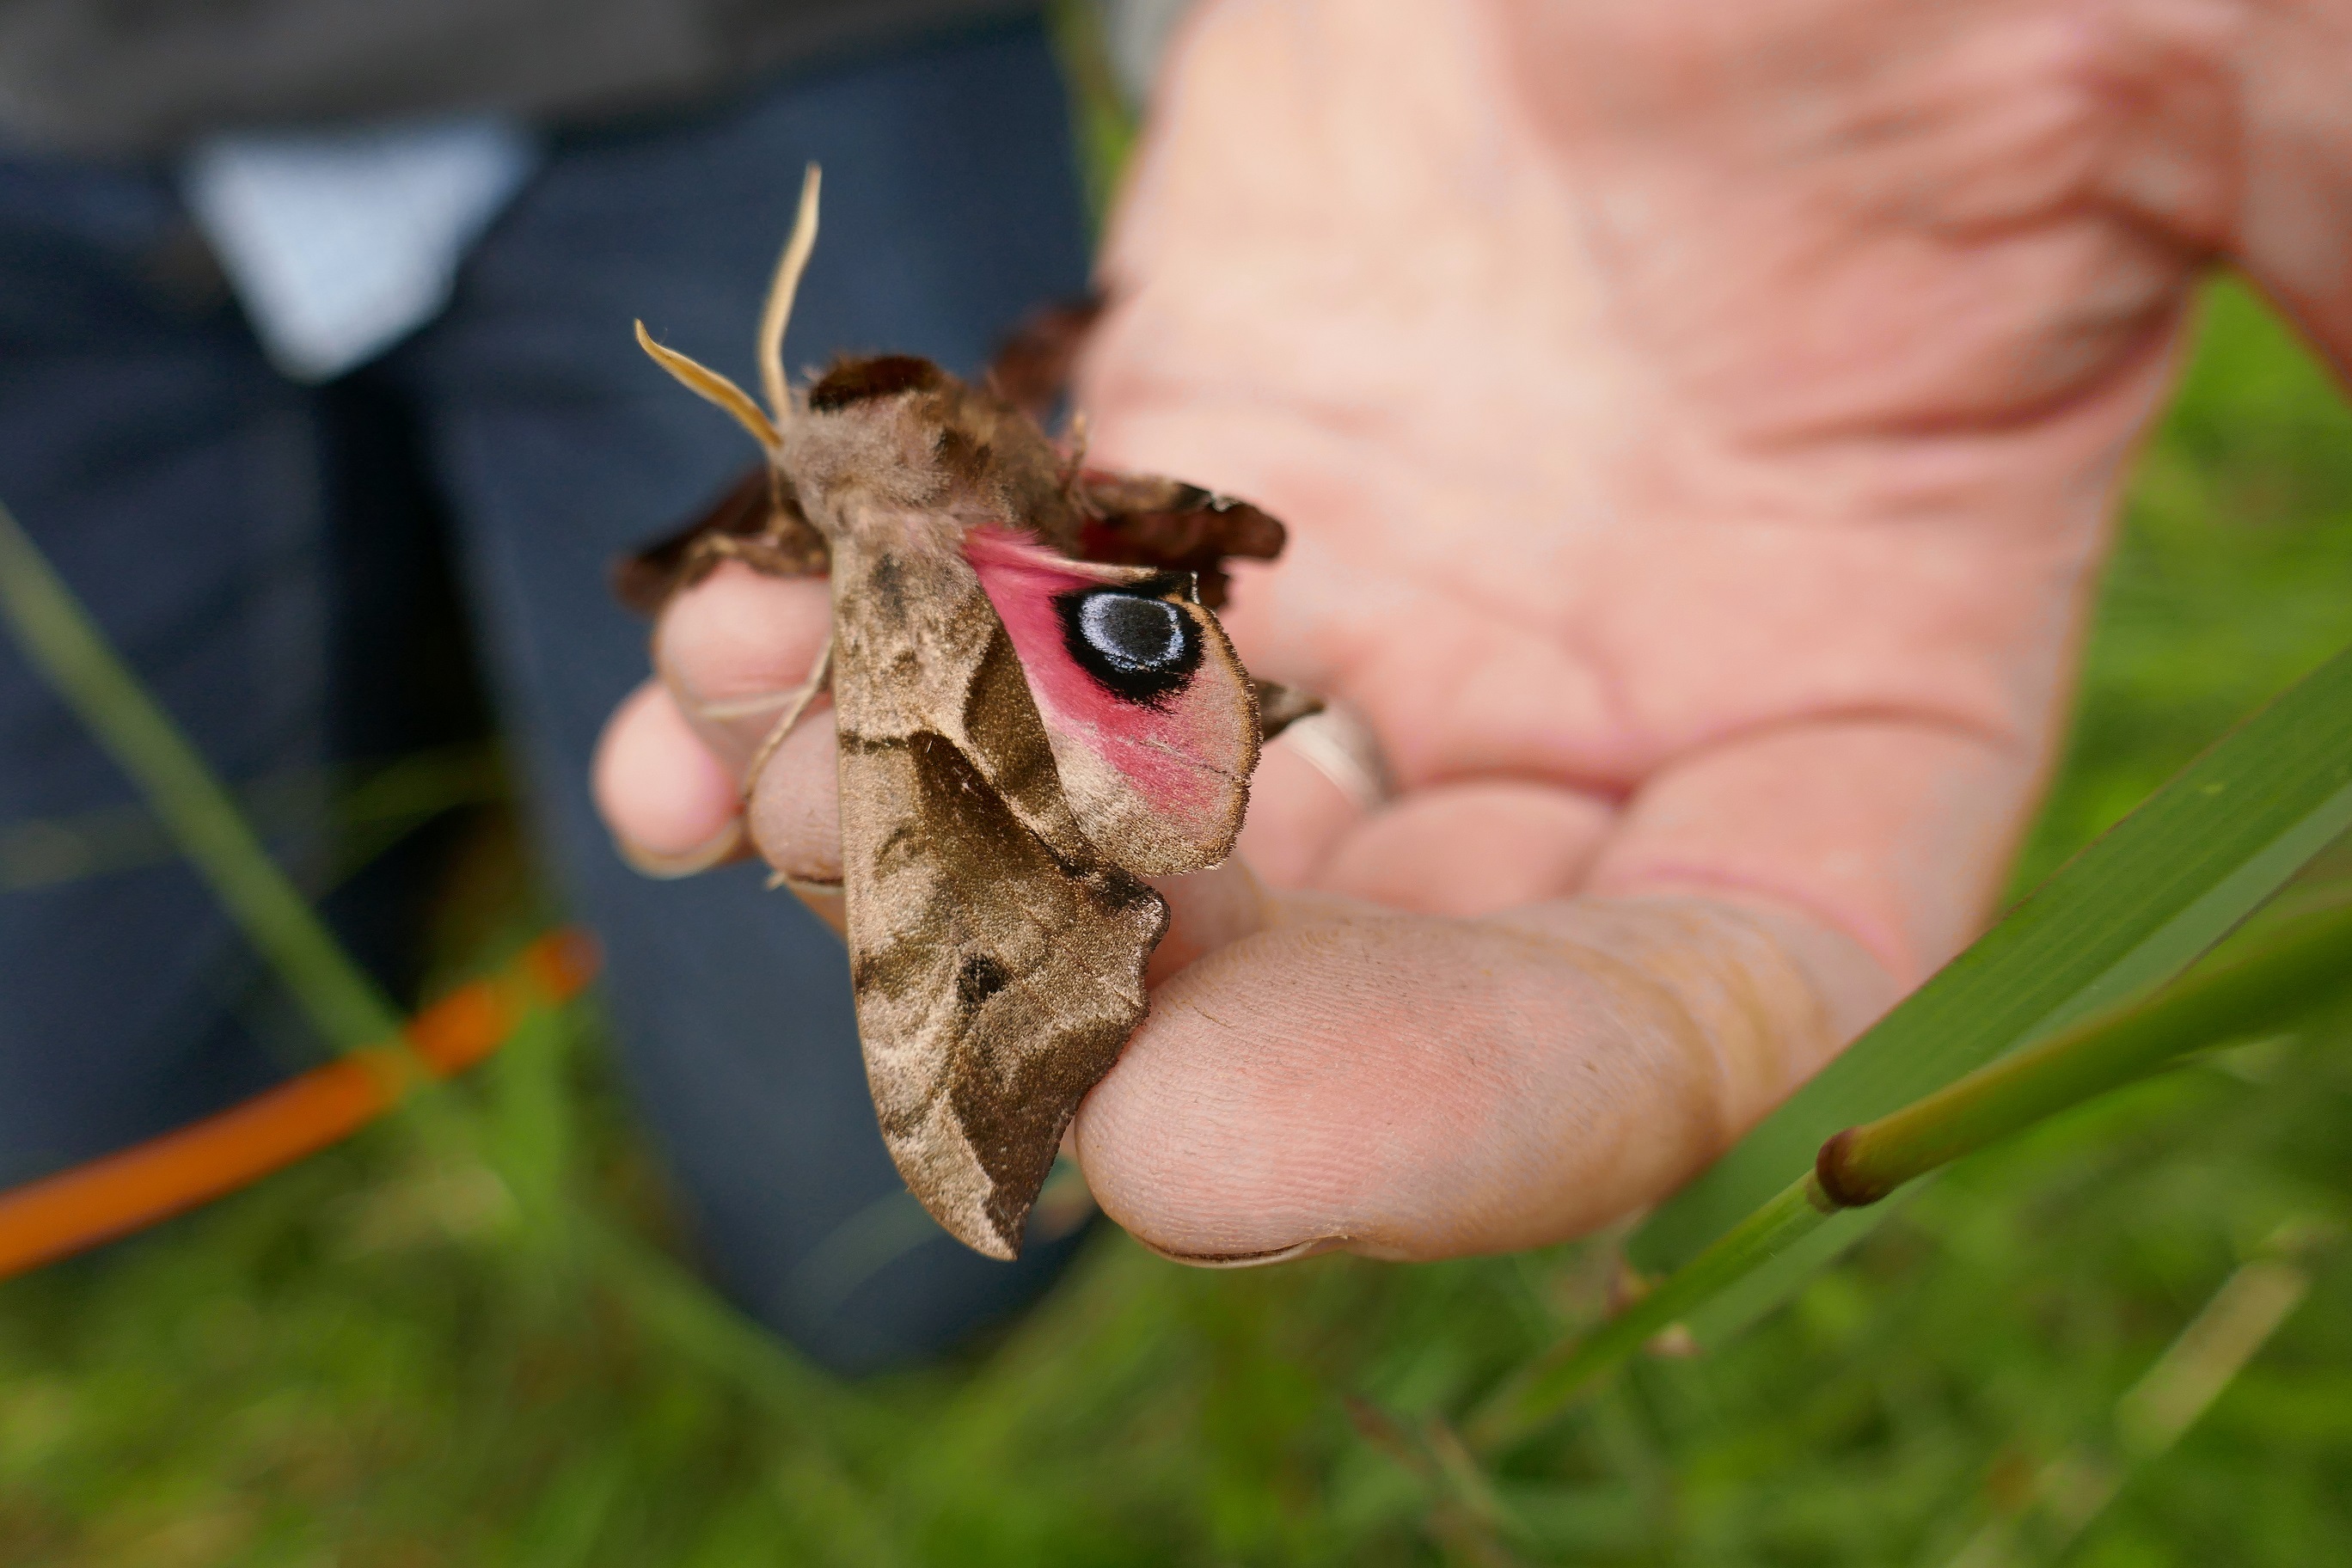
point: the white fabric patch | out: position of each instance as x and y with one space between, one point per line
341 243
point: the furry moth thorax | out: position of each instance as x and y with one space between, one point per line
1036 710
897 436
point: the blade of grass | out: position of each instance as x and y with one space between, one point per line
59 638
2072 1491
1547 1386
2302 961
2131 911
59 635
1727 1315
1104 126
137 1187
373 807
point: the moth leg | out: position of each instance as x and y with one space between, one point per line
1280 707
1080 434
819 678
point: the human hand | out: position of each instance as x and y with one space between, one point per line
1697 425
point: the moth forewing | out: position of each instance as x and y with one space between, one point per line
996 959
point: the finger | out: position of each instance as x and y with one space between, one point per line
1298 813
1471 848
735 650
794 811
1414 1086
672 808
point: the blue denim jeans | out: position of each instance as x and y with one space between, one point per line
264 552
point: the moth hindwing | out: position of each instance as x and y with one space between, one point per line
1025 736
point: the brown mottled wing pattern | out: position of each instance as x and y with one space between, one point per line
986 1016
1139 519
756 520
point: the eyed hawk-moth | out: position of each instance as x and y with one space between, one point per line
1036 710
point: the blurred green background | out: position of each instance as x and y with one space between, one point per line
426 1348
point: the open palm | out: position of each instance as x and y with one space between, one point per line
1697 425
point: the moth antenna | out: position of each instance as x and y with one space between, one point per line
779 308
819 678
704 381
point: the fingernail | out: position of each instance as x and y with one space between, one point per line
1338 744
720 847
1320 1244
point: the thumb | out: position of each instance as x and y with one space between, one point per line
1419 1088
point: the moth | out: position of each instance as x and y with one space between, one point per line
1037 710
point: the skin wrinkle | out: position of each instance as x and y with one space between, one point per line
1494 614
2100 99
2004 740
1998 68
1470 848
1633 877
1694 1023
1349 685
2295 225
2159 340
1663 828
1625 871
1634 990
1541 756
1727 401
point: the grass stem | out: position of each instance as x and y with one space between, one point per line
2302 959
62 641
1546 1386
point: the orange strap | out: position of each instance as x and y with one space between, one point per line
117 1193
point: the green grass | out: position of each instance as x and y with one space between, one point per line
418 1349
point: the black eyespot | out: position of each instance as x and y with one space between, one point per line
1136 643
855 380
978 978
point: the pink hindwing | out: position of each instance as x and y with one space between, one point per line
1152 722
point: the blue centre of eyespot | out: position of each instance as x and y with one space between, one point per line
1132 633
